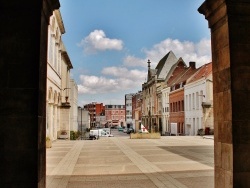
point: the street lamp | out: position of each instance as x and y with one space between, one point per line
80 108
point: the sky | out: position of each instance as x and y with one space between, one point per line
110 41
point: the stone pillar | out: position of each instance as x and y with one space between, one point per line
229 21
23 62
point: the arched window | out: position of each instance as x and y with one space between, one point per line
50 95
59 98
55 97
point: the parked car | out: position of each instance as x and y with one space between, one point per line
120 129
125 130
130 130
106 134
93 137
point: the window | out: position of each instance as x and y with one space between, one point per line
197 100
189 102
186 101
193 101
50 49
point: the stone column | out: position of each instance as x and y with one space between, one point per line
229 21
23 63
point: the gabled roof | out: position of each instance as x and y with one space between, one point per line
181 74
178 63
165 64
203 71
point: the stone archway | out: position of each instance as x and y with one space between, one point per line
23 66
230 28
23 90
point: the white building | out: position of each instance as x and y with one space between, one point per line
73 98
165 110
83 119
58 80
198 93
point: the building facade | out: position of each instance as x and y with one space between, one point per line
199 101
83 119
101 120
73 98
165 110
58 78
128 110
94 109
137 110
115 115
181 73
151 92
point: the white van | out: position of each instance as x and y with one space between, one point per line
100 132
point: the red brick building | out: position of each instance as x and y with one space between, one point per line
115 115
137 110
180 74
94 109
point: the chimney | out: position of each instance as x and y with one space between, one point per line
192 64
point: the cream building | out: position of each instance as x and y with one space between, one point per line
165 110
152 105
58 81
73 98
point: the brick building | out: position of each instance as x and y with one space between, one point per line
115 115
136 110
94 110
180 74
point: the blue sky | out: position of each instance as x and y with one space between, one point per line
110 41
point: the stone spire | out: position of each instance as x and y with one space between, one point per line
149 72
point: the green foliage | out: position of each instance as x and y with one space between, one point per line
74 135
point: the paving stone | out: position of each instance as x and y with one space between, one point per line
119 162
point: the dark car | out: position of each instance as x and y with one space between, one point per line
93 137
130 130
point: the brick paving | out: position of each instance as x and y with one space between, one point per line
120 162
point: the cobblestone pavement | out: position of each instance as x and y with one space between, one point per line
120 162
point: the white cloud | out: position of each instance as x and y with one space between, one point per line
94 84
124 73
97 41
132 61
199 52
121 79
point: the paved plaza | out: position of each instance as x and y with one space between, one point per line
120 162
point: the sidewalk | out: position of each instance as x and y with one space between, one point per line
120 162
